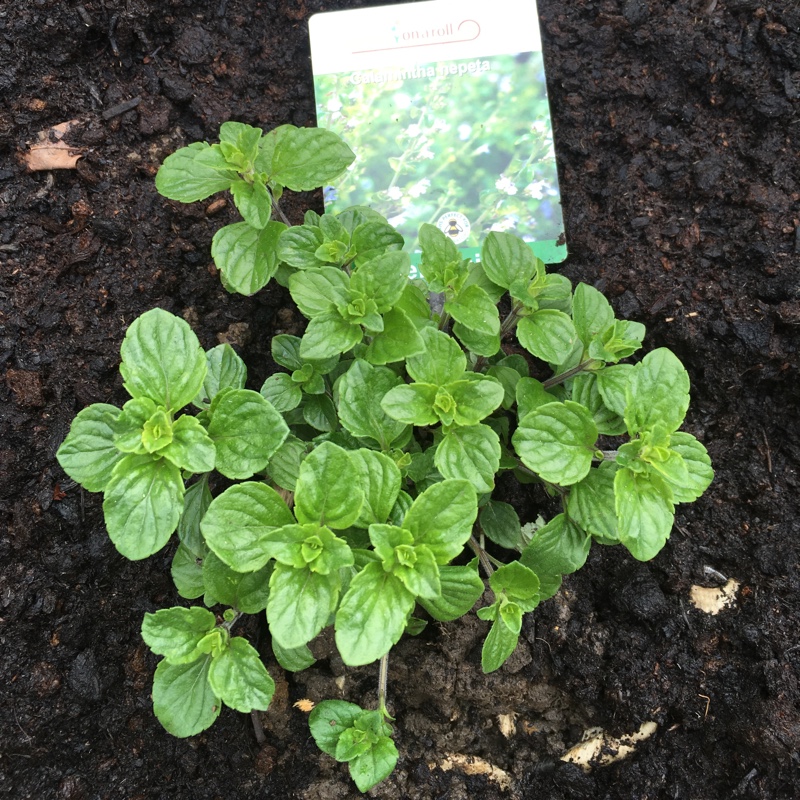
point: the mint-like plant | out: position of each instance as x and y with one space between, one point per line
362 471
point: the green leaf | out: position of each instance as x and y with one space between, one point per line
284 465
245 591
372 767
498 647
383 279
414 302
508 378
196 500
398 340
361 390
307 158
558 548
548 334
246 431
225 371
300 604
328 335
191 448
298 245
461 587
698 466
282 392
611 383
187 573
374 238
442 361
88 454
143 503
175 633
645 513
499 521
246 256
657 392
380 478
240 679
329 720
238 520
183 700
555 291
505 259
320 413
194 173
585 390
557 442
319 291
442 518
440 258
372 615
162 360
411 404
591 503
531 394
479 343
325 491
591 312
253 201
475 398
474 309
470 453
245 138
295 659
518 583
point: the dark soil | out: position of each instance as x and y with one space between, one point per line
678 135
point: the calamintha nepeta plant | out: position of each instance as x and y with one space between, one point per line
363 471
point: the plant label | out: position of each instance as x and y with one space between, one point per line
445 105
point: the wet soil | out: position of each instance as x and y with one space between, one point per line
678 137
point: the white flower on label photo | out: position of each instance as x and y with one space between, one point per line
506 185
394 192
402 100
539 126
426 152
419 188
464 131
536 190
505 224
479 151
413 129
334 104
397 221
440 126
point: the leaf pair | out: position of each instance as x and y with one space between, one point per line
203 667
361 738
135 455
255 168
342 308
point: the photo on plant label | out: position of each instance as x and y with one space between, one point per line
464 145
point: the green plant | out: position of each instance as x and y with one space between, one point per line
368 466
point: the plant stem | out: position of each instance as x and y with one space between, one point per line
510 322
279 211
383 680
483 556
570 373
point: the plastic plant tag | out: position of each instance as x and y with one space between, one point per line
445 105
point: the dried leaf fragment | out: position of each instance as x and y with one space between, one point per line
51 151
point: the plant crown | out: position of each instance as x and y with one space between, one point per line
358 474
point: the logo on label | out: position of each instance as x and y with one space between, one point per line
455 225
